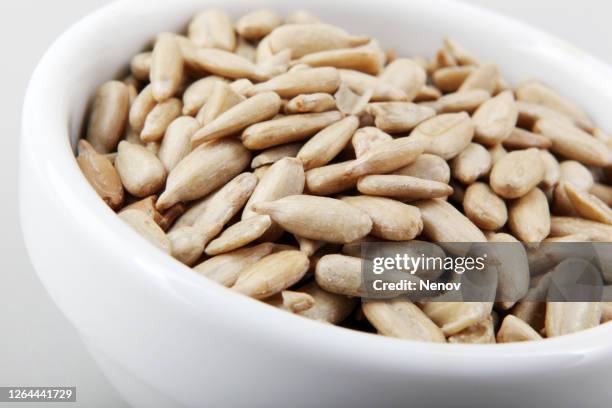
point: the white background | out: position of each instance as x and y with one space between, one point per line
37 345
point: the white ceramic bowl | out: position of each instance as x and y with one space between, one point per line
166 336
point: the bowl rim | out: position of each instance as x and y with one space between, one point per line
79 198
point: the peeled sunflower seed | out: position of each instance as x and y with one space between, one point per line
166 70
514 329
349 102
406 75
109 114
367 58
391 220
222 98
461 55
272 274
512 270
399 117
291 301
523 139
311 103
142 105
206 168
603 192
291 84
428 167
140 66
484 208
258 24
196 94
223 63
445 135
403 320
495 119
365 138
461 101
253 110
552 170
570 317
239 235
146 227
428 93
449 79
325 145
443 59
328 307
484 77
529 217
515 174
536 92
453 317
471 164
444 223
159 118
101 175
402 187
287 129
588 205
141 172
596 231
176 143
225 268
212 29
242 86
303 39
340 274
574 143
482 332
309 246
360 83
274 154
318 218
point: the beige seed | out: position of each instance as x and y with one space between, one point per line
242 86
495 119
482 332
325 145
287 129
272 274
445 135
147 228
331 179
453 317
368 58
471 164
589 206
212 29
428 93
443 59
530 113
141 172
317 218
573 143
176 143
246 50
147 205
529 217
536 92
349 102
428 167
284 178
596 231
512 266
523 139
223 63
302 17
274 154
206 168
226 268
258 24
166 67
101 175
569 317
306 81
365 138
253 110
459 53
514 329
484 208
197 94
340 274
109 115
444 223
497 152
603 192
328 307
402 187
239 235
291 301
449 79
403 320
461 101
140 66
159 119
515 174
552 170
303 39
222 98
391 220
308 246
361 83
142 105
311 103
398 117
484 77
406 75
